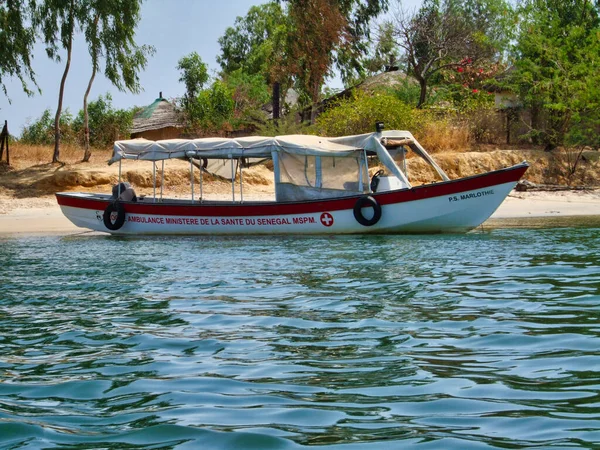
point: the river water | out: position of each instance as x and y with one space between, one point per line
484 340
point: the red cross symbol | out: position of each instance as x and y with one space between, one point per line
326 219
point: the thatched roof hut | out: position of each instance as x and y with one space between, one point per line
160 120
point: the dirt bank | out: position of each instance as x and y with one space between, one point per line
30 183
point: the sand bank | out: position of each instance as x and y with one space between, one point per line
42 216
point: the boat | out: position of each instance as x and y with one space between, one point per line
321 186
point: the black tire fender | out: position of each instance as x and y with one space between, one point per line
119 221
364 202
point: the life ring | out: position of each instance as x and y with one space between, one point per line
364 202
119 221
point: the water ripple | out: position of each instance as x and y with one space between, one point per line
471 341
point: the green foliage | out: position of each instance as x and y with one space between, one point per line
109 29
41 131
359 113
194 74
256 42
408 91
462 98
445 33
558 70
212 110
359 14
288 124
17 37
250 93
233 102
302 41
385 51
106 123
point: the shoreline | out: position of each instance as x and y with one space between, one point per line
42 216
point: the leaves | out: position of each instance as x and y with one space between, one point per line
557 62
16 41
194 73
445 32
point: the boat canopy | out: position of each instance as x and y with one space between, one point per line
223 148
277 148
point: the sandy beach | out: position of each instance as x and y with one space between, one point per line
42 216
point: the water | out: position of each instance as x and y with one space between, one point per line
484 340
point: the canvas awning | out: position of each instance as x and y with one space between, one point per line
250 147
265 147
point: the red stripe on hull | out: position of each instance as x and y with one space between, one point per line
512 174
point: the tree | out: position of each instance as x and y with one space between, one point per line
109 30
256 46
386 52
213 108
194 74
324 32
249 94
17 37
318 27
359 14
444 34
108 27
302 41
557 69
255 42
54 15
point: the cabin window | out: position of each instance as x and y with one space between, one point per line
310 177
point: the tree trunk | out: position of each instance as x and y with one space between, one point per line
56 156
423 94
86 129
314 109
275 99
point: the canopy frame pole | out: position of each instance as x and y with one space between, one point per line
201 183
240 162
153 181
366 165
192 178
232 179
361 184
276 173
162 179
119 182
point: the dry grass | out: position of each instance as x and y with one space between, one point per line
442 136
24 155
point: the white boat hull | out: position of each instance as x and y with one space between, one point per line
454 206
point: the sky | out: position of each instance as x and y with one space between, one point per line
174 27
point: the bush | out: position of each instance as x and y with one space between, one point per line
358 114
41 132
212 110
106 124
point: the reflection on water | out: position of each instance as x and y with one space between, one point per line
482 340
